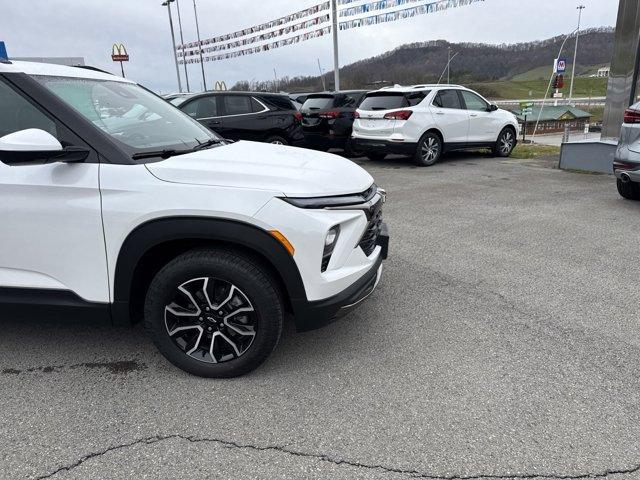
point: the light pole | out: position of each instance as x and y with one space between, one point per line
549 86
186 75
167 4
449 66
336 62
446 68
575 54
204 81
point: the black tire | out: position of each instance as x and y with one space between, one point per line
376 157
276 140
506 143
352 151
253 286
429 150
628 190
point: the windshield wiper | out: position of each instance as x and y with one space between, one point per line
167 153
207 144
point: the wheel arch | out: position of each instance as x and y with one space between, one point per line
151 245
505 126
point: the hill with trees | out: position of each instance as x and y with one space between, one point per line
476 63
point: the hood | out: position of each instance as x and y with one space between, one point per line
261 166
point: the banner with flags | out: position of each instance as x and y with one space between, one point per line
388 4
396 15
307 12
260 48
258 38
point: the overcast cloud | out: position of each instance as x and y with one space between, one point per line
88 28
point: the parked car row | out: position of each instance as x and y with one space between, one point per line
422 121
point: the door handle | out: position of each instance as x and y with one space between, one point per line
217 122
474 115
439 113
261 117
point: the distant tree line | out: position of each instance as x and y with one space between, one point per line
424 62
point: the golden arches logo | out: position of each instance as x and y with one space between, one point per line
220 86
119 53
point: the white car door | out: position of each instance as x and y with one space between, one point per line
450 116
51 236
483 124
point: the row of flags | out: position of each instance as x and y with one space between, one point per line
260 48
284 26
257 38
307 12
403 14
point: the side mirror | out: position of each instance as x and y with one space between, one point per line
37 147
492 108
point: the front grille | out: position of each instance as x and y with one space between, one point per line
370 238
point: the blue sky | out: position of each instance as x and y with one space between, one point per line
89 28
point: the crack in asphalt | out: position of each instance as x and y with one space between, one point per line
338 461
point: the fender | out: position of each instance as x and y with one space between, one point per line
159 231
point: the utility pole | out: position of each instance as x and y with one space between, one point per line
324 87
275 75
449 66
167 4
336 62
186 75
575 54
204 81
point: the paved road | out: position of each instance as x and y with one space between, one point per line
556 139
503 342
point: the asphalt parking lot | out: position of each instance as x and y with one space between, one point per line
503 342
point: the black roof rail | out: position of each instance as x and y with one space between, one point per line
95 69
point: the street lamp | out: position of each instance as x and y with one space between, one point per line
167 4
575 54
186 74
204 81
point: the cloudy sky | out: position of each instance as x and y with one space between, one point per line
88 28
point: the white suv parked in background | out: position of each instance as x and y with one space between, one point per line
426 120
115 204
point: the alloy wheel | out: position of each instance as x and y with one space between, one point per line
506 142
430 150
211 320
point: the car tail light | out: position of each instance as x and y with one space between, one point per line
298 116
631 116
356 114
331 114
399 115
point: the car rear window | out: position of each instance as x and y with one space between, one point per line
318 102
391 100
349 100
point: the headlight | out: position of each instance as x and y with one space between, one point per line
329 244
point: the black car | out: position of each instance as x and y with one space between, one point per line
327 119
260 117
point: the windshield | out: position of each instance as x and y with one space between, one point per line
318 103
139 120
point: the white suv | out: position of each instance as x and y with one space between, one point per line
115 204
426 120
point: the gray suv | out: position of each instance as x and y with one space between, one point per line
626 162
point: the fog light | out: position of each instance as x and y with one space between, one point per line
329 244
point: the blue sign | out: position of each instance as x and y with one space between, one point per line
3 52
561 65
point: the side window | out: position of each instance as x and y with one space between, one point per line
205 107
237 104
19 114
256 106
474 102
448 99
415 98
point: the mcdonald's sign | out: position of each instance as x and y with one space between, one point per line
220 86
119 53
